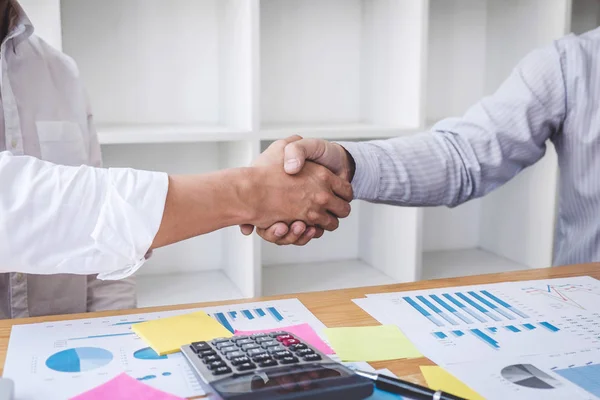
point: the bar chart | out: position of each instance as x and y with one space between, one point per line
263 315
228 319
474 307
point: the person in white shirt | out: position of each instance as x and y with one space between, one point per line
65 221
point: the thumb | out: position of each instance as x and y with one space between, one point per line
246 229
296 153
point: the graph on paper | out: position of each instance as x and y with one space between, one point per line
63 359
475 322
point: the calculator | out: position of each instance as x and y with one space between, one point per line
271 366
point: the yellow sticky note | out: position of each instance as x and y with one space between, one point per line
167 335
438 378
371 343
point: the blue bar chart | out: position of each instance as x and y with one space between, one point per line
464 308
228 319
424 312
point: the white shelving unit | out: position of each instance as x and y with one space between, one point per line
191 86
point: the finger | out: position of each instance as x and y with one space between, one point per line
307 236
299 151
297 230
342 188
274 233
325 221
338 207
247 229
318 232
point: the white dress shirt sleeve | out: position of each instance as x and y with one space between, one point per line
78 220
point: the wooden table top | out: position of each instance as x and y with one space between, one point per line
335 308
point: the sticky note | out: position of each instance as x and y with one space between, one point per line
371 343
167 335
124 387
303 332
438 378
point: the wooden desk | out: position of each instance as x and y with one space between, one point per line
335 308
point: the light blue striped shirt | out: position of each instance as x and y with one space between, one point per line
552 94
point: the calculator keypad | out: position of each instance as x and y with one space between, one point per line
243 354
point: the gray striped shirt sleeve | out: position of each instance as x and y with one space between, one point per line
464 158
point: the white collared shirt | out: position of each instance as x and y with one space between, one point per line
71 218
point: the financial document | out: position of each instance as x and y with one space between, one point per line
59 360
507 340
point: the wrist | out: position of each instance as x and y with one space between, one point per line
245 186
348 163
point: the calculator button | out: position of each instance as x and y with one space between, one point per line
235 354
289 342
304 352
255 352
256 336
312 357
205 353
239 360
281 338
244 341
216 364
252 346
238 338
261 357
221 371
209 359
220 345
267 363
269 343
273 349
281 354
288 360
278 333
299 346
228 349
200 346
219 340
246 366
263 339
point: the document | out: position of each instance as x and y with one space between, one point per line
62 359
438 378
475 332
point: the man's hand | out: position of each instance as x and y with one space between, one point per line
296 152
296 232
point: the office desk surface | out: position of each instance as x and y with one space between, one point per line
335 308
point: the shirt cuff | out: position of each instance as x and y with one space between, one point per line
365 183
130 218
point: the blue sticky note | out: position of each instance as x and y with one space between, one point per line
383 395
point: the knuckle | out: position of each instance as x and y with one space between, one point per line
322 198
322 174
312 217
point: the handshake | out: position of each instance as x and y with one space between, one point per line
301 187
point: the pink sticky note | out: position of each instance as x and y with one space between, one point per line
124 387
303 331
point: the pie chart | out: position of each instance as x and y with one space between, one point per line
79 359
529 376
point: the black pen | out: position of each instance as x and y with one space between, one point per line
406 389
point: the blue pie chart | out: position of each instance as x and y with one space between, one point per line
79 359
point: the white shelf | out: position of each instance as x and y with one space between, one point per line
201 95
453 263
271 131
296 278
169 289
167 133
